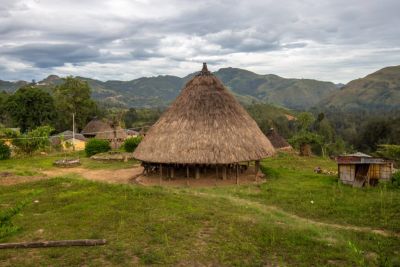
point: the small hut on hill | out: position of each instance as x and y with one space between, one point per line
205 128
360 169
100 129
277 140
96 126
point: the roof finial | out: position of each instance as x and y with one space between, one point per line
205 71
204 67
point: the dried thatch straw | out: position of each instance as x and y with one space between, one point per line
205 125
278 141
94 127
117 133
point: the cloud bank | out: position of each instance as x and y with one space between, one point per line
333 40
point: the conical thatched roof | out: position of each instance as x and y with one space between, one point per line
95 126
205 125
277 141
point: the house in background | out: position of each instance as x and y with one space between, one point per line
101 129
96 126
360 169
67 141
132 133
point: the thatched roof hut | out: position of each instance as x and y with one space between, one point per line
96 126
205 125
115 133
277 140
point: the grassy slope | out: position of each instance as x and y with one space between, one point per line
221 226
379 90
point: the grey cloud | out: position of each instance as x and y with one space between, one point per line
50 35
50 55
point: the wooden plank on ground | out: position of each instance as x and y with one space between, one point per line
57 243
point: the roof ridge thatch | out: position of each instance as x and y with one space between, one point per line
204 125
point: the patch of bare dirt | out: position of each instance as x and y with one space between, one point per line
11 179
120 176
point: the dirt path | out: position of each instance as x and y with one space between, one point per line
268 208
121 176
15 179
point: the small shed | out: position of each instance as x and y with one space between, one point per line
360 169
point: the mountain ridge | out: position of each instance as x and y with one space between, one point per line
248 87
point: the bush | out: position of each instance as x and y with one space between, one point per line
37 139
131 144
5 151
396 179
95 146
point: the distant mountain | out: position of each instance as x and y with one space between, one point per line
247 86
11 86
290 93
377 91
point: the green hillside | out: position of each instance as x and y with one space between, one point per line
290 93
247 86
11 86
377 91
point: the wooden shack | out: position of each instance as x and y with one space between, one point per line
360 169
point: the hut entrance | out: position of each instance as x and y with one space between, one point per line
361 175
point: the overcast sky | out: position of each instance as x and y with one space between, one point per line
327 40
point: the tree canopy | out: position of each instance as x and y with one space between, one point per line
73 96
31 107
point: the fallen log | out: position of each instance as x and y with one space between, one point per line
58 243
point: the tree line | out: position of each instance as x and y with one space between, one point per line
31 106
332 131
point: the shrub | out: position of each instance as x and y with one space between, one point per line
269 172
131 144
37 139
95 146
5 151
396 179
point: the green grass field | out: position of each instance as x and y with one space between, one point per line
296 218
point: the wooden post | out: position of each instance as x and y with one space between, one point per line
197 172
187 171
216 170
257 168
160 173
224 172
237 174
172 172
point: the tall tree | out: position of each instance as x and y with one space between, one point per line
31 107
4 116
130 117
73 96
